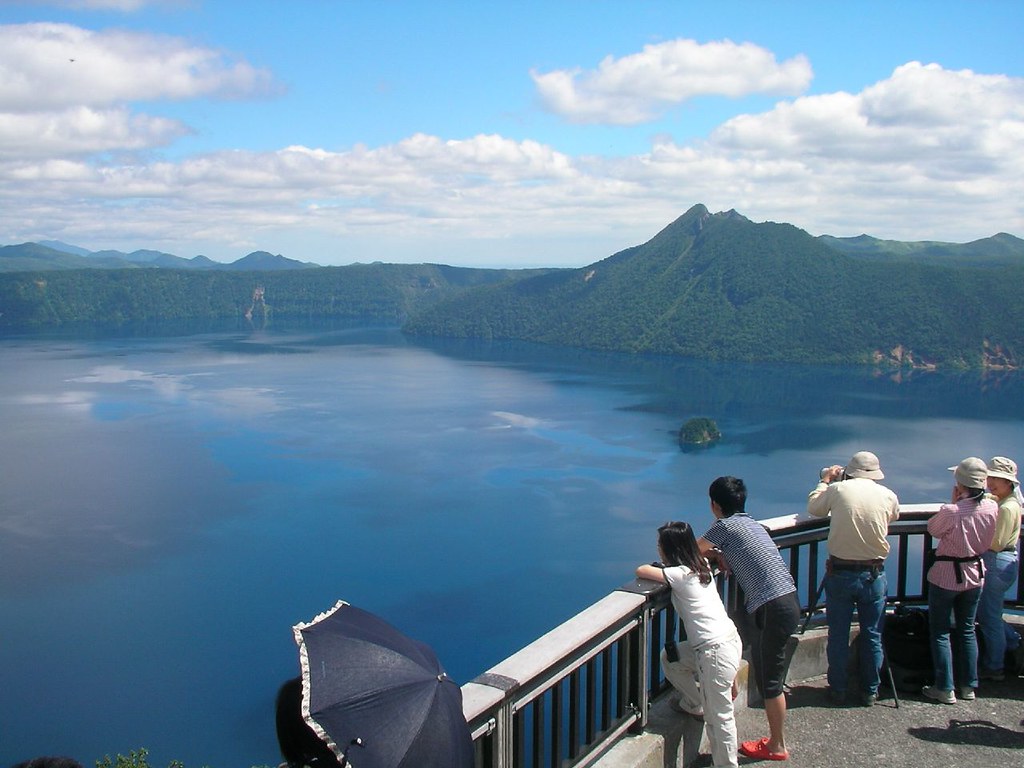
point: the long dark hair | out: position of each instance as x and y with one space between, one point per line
679 547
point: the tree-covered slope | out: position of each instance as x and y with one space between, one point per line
36 257
386 292
711 286
721 287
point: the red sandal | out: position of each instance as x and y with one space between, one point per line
759 750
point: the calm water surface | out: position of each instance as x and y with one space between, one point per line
170 507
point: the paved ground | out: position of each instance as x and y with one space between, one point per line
918 733
985 733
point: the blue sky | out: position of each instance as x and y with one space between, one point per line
502 133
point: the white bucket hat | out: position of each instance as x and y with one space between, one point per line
971 472
1000 466
864 464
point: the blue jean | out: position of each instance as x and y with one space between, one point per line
964 648
1000 573
844 591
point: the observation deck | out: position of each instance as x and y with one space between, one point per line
591 691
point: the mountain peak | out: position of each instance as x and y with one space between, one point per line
697 218
264 260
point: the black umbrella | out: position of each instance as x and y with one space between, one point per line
379 698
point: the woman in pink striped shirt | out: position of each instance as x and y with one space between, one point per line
964 529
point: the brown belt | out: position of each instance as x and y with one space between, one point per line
840 564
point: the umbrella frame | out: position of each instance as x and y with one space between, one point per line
304 664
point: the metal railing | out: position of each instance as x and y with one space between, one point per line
561 701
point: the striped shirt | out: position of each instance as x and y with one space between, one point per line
963 529
753 558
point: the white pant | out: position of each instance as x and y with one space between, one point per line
704 680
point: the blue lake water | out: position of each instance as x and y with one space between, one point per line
170 507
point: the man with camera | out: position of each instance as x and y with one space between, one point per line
860 510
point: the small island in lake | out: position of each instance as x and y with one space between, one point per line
698 432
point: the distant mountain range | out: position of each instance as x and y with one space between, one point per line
53 254
709 285
995 251
998 250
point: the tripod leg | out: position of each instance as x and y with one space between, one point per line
814 604
887 666
892 681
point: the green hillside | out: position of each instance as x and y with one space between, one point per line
36 257
709 286
721 287
384 292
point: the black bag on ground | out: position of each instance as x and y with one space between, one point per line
1013 662
905 639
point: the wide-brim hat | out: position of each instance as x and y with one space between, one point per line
864 464
1000 466
971 472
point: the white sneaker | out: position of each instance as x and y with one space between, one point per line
677 704
933 693
966 693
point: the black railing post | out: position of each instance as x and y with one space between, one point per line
538 732
590 706
903 550
574 714
606 689
557 731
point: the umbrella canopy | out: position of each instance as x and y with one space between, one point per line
379 698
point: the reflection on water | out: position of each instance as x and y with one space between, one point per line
172 505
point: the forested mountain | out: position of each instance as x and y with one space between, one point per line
383 292
711 286
996 251
720 286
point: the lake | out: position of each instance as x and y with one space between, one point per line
171 506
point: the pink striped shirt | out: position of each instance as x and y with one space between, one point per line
963 529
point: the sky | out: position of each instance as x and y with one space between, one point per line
502 134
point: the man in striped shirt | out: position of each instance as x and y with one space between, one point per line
772 608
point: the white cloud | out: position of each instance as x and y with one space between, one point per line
638 87
926 153
45 67
65 90
83 130
76 402
926 142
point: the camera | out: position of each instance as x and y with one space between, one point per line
823 474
